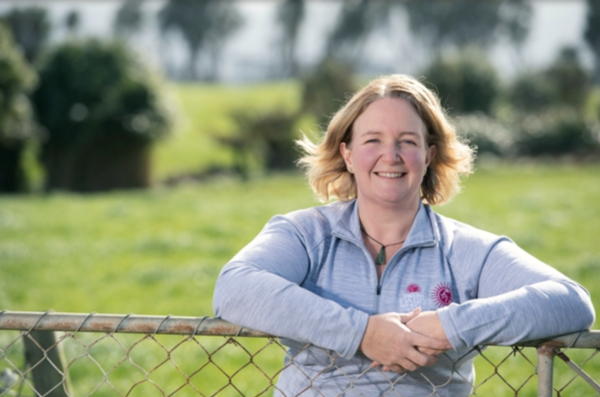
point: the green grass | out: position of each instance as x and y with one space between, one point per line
160 251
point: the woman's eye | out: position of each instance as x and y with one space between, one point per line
409 142
372 140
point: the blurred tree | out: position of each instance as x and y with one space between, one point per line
30 28
290 14
466 81
356 21
129 18
326 88
102 108
564 83
202 23
16 118
571 79
592 34
443 24
73 22
531 91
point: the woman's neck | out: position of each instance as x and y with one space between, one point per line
387 224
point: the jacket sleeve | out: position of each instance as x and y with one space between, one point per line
519 298
260 289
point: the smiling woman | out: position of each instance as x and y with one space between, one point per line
378 279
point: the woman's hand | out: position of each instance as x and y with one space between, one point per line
428 324
391 343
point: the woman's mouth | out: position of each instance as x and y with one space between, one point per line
391 174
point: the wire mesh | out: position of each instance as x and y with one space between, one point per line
126 355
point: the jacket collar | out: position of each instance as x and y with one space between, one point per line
423 233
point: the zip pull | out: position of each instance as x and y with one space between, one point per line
378 289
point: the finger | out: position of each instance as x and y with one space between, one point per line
375 364
431 352
428 342
418 359
393 368
404 318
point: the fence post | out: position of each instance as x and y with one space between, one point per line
545 368
44 357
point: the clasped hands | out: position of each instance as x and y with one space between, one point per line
404 342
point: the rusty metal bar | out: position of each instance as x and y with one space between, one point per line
579 371
119 323
578 340
545 367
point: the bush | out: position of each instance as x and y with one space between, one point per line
488 135
557 132
532 91
16 118
266 139
466 81
102 108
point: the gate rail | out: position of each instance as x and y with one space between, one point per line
73 324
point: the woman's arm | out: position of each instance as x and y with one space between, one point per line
260 289
519 298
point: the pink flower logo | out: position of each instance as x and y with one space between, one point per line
442 294
413 288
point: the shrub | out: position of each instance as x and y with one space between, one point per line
488 135
465 80
557 132
102 108
264 138
532 91
16 122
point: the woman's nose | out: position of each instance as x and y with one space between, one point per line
392 153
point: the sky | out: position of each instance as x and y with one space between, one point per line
251 52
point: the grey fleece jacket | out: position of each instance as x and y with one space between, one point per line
308 278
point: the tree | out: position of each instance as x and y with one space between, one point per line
326 88
592 34
72 22
16 118
458 23
102 108
129 18
30 28
465 80
203 23
570 78
290 14
354 24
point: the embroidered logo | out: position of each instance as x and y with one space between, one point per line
442 294
413 288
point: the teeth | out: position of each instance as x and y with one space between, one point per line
390 174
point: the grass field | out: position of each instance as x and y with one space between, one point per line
159 252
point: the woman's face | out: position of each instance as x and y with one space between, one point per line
388 154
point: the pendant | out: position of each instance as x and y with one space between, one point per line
381 256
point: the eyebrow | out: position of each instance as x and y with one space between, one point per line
368 133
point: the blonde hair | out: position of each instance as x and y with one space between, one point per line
325 166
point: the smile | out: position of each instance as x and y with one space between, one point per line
391 174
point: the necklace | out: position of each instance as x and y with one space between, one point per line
381 256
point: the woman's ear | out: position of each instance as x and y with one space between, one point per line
430 155
346 153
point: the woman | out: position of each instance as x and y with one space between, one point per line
377 281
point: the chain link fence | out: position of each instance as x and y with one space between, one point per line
66 354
